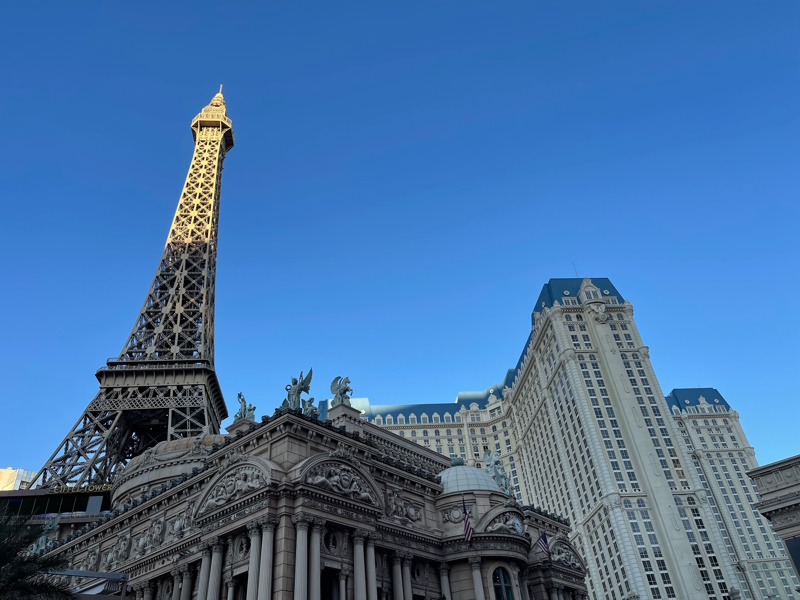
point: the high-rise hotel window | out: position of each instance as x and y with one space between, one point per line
501 581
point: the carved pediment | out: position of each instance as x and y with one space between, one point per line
562 552
235 482
507 522
341 479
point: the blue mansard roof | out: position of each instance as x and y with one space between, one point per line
554 290
464 399
681 398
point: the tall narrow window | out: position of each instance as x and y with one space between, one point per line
502 584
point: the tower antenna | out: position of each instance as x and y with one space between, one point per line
575 269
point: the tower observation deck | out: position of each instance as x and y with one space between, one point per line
162 386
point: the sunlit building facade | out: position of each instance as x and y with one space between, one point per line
653 484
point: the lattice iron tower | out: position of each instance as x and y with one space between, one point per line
163 385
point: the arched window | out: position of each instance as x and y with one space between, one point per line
413 434
424 433
389 420
501 581
378 420
401 420
412 419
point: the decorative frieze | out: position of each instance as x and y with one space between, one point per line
235 516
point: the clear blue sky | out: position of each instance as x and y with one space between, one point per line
406 177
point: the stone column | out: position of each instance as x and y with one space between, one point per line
205 569
301 522
397 577
560 590
215 572
176 583
407 558
359 572
477 579
444 580
148 591
230 588
186 582
265 566
372 580
315 572
343 584
139 591
551 592
254 531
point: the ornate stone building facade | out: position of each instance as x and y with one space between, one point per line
778 484
295 507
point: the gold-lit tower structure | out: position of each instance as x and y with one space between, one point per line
162 386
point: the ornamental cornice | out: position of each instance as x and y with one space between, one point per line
462 547
232 517
332 508
764 504
425 536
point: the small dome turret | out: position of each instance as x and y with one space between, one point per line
461 478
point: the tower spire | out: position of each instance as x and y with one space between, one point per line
162 386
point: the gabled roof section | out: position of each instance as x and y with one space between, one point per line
555 289
681 398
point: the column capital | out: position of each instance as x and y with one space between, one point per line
407 558
318 523
301 520
206 549
397 558
344 574
185 569
475 562
253 529
371 541
268 523
176 573
359 535
216 544
444 568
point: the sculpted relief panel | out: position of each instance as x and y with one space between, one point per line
236 484
151 538
401 508
119 552
342 480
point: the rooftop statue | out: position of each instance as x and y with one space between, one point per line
246 411
297 387
340 387
495 468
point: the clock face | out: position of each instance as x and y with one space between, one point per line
517 525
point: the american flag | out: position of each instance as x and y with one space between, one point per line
542 544
467 524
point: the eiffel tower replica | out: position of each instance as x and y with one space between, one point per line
163 385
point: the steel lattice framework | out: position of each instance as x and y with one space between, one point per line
163 385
